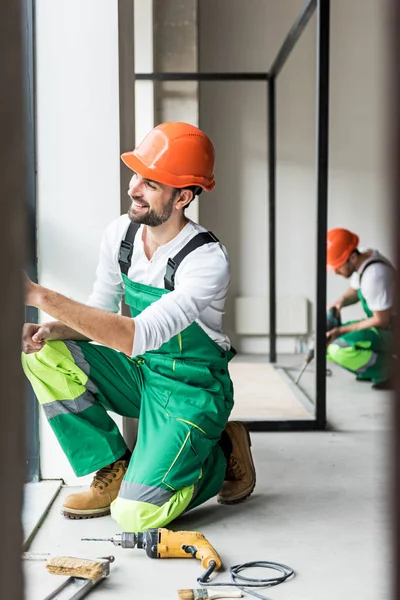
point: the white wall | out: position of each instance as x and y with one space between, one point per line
78 148
241 36
77 153
359 196
77 137
144 90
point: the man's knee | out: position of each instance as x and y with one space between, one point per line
134 515
53 373
26 361
338 353
30 362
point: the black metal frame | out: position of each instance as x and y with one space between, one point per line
270 77
31 314
323 42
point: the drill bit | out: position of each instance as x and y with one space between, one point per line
123 540
96 539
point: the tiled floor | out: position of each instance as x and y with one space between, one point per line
261 392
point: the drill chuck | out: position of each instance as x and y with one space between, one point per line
146 540
125 540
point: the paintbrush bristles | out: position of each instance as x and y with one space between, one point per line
77 567
193 594
185 594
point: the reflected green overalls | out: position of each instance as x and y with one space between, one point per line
367 353
182 394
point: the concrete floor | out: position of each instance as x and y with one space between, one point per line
320 506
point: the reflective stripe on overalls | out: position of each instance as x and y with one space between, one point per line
366 352
182 393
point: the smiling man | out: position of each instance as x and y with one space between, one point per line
166 365
363 347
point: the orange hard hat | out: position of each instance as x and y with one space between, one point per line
176 154
340 244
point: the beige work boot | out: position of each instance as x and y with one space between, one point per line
240 475
103 490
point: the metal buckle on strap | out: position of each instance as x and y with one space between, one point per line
169 277
125 252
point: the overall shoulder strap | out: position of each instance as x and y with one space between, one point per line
126 248
374 262
173 263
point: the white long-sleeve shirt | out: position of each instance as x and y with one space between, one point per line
201 284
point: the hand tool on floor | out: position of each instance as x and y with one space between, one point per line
200 594
83 574
163 543
332 320
309 358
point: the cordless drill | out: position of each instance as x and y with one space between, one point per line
163 543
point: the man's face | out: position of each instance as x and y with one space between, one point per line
152 202
348 268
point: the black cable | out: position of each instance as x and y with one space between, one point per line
286 573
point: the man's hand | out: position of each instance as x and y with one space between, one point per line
349 297
333 334
34 337
336 307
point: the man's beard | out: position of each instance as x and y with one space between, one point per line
151 218
350 272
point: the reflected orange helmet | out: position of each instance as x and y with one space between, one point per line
340 244
176 154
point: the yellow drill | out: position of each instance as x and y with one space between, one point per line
163 543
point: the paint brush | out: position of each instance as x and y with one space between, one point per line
202 594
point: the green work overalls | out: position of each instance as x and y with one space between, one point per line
182 394
366 352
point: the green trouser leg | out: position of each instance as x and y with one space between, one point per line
366 353
166 475
175 465
77 383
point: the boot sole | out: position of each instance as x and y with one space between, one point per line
237 500
68 514
249 491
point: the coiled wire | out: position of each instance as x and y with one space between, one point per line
247 584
